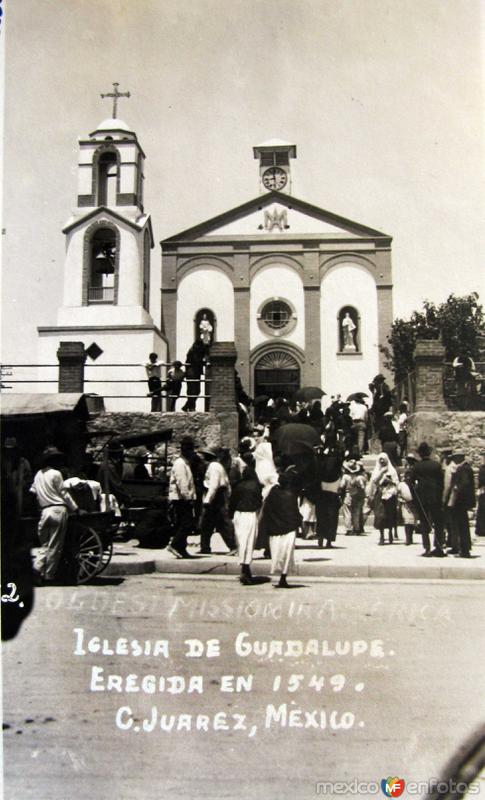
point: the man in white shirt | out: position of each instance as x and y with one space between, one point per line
55 502
215 515
359 414
153 369
181 496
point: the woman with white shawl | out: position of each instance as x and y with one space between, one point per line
265 466
382 496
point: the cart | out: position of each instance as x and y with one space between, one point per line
89 545
89 539
146 516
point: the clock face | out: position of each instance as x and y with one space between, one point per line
274 178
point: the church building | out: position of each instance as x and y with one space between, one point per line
305 295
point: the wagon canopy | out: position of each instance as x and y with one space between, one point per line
39 420
25 406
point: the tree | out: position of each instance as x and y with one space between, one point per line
458 322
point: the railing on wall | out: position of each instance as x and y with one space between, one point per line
114 384
464 396
405 390
468 396
101 294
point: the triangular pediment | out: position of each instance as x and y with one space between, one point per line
277 218
277 214
103 212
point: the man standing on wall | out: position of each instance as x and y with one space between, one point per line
173 386
153 370
193 371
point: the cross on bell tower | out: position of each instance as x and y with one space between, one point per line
115 95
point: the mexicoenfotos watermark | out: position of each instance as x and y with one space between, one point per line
394 787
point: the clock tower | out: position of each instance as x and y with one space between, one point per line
274 165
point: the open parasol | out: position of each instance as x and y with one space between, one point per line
357 396
296 437
308 393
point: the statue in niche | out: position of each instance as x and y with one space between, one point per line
205 331
348 333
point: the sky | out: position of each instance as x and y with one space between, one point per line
383 99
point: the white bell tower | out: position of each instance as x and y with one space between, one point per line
107 276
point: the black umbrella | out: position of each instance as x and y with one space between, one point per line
296 437
307 393
357 396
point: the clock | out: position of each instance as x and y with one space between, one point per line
274 178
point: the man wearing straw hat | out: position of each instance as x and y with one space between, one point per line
462 500
55 502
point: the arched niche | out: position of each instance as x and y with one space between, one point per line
348 320
205 324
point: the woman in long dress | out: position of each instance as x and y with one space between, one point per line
382 496
327 505
352 490
244 506
280 520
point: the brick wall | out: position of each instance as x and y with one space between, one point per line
71 358
429 356
223 392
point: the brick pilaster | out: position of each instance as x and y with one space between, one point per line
241 314
313 322
71 357
429 356
223 357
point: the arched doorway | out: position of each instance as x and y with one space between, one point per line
276 374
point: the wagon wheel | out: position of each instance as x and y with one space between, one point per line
105 557
89 557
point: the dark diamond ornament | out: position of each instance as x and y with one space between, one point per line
94 351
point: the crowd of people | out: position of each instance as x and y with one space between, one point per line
299 471
297 475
